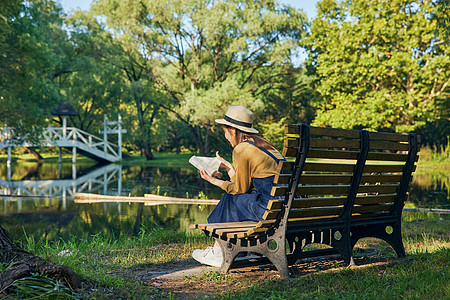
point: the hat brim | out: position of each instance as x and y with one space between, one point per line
241 128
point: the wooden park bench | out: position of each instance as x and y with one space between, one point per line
355 183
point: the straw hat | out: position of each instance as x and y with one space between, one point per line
239 117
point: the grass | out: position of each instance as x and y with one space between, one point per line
426 274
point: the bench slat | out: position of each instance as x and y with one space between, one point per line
294 213
313 190
308 202
371 208
224 225
335 189
323 131
324 143
337 178
336 132
315 178
328 167
304 213
383 145
346 154
383 168
333 201
396 137
375 199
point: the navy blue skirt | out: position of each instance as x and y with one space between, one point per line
249 206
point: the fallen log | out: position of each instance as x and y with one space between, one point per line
148 199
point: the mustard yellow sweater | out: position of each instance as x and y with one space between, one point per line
250 162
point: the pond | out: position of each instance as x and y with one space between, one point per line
38 198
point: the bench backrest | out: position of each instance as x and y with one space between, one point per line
343 173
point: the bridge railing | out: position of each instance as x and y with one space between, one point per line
58 134
62 137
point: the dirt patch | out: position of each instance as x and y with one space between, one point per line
187 279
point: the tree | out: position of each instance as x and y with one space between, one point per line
381 65
207 55
28 62
125 76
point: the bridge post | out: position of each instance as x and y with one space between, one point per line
59 155
8 163
119 137
105 133
64 121
74 155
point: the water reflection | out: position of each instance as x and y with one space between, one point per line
38 198
44 207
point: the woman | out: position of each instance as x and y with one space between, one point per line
255 162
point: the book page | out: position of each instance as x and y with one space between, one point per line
210 164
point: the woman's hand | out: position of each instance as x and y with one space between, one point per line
225 164
211 179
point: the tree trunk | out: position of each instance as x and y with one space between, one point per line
26 263
201 141
36 155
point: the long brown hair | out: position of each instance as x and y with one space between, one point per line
259 141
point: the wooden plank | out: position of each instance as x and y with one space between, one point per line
368 178
328 167
285 166
297 221
375 199
313 190
385 156
224 225
333 201
147 200
333 154
335 189
348 144
315 212
233 224
397 137
370 208
334 132
345 154
291 129
338 178
315 179
324 131
382 188
324 143
383 145
383 168
309 202
305 213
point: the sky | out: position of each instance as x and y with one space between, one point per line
308 6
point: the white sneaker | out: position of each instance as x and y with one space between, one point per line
211 256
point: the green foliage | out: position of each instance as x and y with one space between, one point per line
380 65
274 132
30 57
39 287
207 55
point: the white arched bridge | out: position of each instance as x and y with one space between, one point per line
73 138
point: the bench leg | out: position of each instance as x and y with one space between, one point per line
343 245
380 231
277 256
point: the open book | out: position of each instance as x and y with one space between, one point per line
210 164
